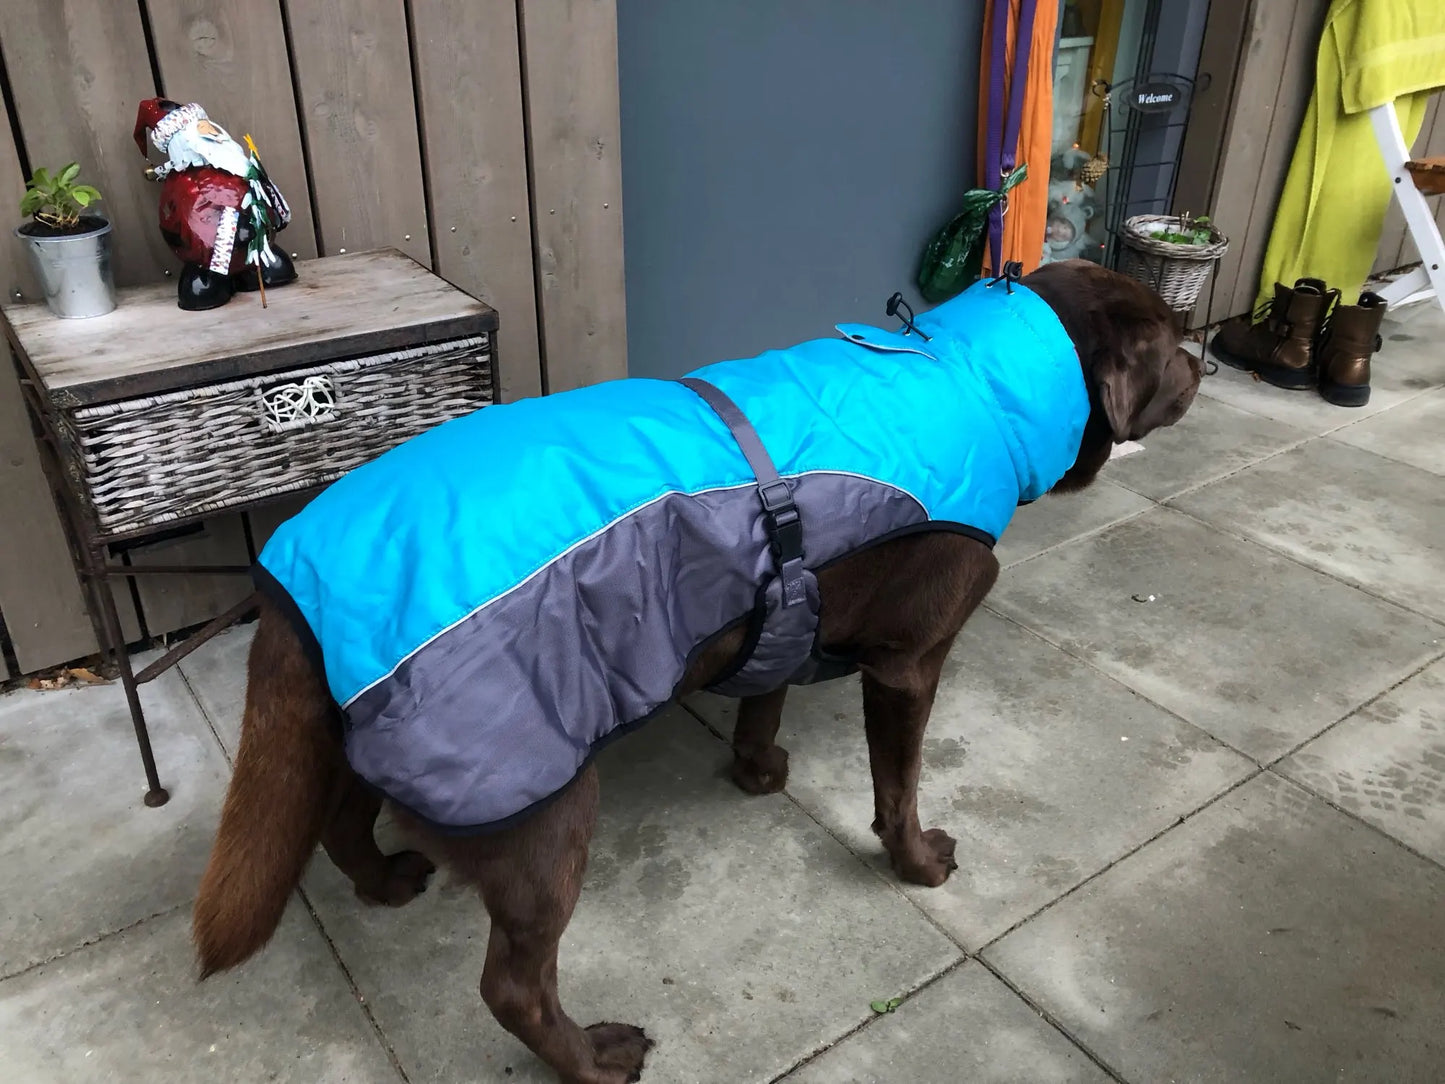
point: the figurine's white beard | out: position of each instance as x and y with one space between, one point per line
189 148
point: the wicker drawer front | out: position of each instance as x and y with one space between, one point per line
148 461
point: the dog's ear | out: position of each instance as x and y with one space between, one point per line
1126 383
1144 386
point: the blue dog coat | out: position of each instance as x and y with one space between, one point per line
492 599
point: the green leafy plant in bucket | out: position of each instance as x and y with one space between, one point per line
1191 231
56 201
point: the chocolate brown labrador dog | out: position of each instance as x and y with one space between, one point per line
895 608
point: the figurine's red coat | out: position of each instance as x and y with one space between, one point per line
191 204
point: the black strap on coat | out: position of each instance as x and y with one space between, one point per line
780 514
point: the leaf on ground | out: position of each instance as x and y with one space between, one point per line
64 677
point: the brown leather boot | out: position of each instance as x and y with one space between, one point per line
1350 337
1279 343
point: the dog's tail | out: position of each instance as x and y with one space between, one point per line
277 802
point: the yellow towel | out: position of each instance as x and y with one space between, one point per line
1332 209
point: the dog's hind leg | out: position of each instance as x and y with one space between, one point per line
529 877
350 842
760 766
896 704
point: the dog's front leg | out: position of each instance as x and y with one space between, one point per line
896 702
759 765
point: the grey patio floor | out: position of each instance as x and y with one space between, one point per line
1201 838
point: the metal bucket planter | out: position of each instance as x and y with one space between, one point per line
1177 272
73 269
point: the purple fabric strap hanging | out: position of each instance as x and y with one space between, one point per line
1001 144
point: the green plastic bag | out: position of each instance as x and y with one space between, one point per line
953 260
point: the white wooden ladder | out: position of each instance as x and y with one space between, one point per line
1427 280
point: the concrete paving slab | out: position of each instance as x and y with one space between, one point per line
130 1009
1058 517
1256 649
1301 408
216 673
967 1026
1044 770
735 930
1412 433
1211 441
1268 938
1386 763
82 855
1409 363
1359 517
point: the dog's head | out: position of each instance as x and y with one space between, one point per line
1139 378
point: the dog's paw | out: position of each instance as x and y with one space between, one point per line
930 861
764 772
407 874
620 1048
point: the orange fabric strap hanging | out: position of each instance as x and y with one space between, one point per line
1028 202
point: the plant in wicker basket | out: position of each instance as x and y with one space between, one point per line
1172 253
1189 230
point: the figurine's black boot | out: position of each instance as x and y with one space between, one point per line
278 270
200 288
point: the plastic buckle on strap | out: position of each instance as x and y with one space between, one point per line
785 526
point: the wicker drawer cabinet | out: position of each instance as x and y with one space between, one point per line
150 418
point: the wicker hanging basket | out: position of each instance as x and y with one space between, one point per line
1177 272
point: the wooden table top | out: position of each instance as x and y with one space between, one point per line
339 306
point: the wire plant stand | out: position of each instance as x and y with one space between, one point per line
1152 114
1156 126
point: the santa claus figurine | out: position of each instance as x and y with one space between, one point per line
219 210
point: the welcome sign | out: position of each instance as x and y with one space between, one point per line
1158 94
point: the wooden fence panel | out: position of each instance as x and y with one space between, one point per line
574 136
410 123
1207 135
469 85
40 596
76 85
1276 75
1237 188
176 602
353 67
268 517
78 69
233 60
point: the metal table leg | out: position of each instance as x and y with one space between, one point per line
89 560
115 646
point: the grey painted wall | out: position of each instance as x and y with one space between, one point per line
783 164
